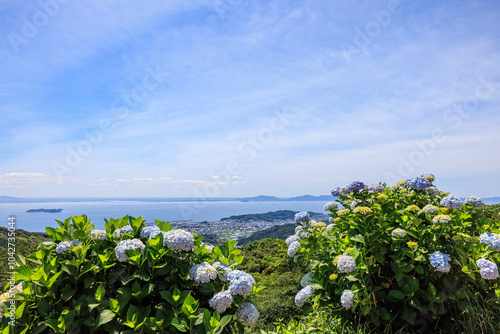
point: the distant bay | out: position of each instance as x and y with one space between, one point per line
195 211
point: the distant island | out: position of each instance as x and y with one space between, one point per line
45 210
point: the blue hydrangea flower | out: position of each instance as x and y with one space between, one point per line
98 234
241 283
418 183
440 261
490 239
301 216
489 269
398 233
222 270
129 244
293 248
474 201
307 280
346 264
120 232
428 176
337 192
221 301
451 202
375 188
356 186
148 230
303 296
178 240
355 203
429 208
432 190
248 313
291 239
63 246
331 206
202 273
347 298
441 219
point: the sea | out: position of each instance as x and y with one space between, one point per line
163 211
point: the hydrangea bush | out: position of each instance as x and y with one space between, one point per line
129 278
405 255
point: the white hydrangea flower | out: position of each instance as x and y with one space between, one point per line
129 244
291 239
347 298
120 232
178 240
202 273
303 296
62 247
355 203
241 283
346 264
148 230
220 266
429 208
98 234
331 206
221 301
248 313
293 248
329 227
492 240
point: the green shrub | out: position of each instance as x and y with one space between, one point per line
400 257
130 278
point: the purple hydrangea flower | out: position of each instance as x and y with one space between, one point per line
451 202
418 183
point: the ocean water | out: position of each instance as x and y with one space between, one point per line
166 211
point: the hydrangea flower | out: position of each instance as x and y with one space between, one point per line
209 248
375 188
337 192
301 216
418 183
451 202
343 212
321 224
347 298
440 261
433 190
355 203
178 240
346 264
221 301
362 210
398 233
428 176
98 234
490 239
331 206
298 229
382 196
474 201
489 270
441 219
429 208
412 208
248 313
129 244
394 187
202 273
356 186
329 228
241 283
291 239
293 248
148 230
63 246
222 267
120 232
303 296
307 280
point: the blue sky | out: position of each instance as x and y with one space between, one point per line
241 98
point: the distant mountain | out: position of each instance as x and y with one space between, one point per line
263 198
321 198
44 210
271 216
491 200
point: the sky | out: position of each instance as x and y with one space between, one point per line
237 98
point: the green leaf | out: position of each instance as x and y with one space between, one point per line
431 289
164 227
168 297
99 293
419 270
104 317
68 291
133 315
379 257
397 294
358 238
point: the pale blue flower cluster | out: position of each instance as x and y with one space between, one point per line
203 273
347 298
293 248
355 203
98 234
298 229
303 296
489 269
129 244
291 239
248 313
474 201
222 270
451 202
492 240
241 283
307 280
428 176
418 183
301 216
63 246
398 233
331 206
221 301
440 261
337 191
356 186
120 232
375 188
429 208
178 240
432 190
346 264
148 230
